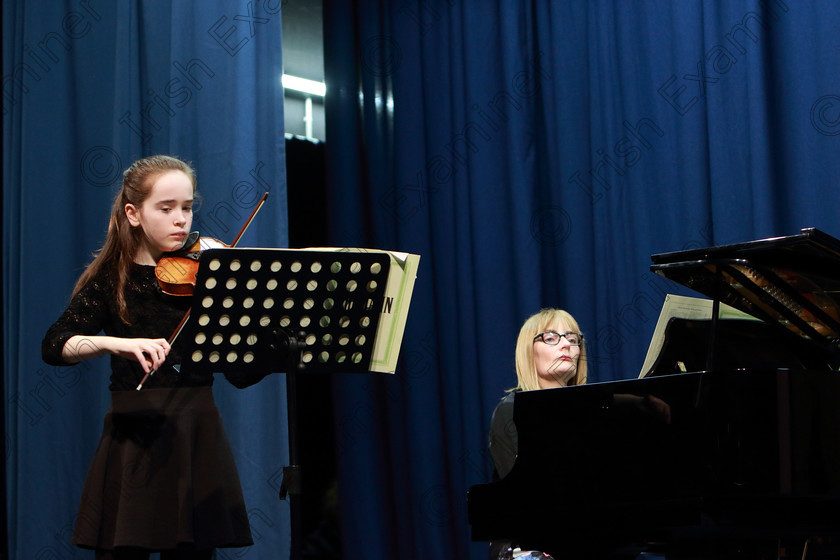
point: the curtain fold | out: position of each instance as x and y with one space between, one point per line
89 87
536 154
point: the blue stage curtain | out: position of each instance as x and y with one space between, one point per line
89 87
536 154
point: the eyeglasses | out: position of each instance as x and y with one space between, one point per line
553 339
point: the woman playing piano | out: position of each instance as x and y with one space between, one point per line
550 353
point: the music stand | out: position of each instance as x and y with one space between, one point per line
285 310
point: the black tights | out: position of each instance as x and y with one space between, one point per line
137 554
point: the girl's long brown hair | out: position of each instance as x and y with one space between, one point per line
122 240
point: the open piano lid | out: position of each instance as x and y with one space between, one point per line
793 281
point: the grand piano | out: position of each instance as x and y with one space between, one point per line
728 447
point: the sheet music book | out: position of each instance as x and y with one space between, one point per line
397 298
684 307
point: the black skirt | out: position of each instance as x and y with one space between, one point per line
163 476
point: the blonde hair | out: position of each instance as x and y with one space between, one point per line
122 240
526 370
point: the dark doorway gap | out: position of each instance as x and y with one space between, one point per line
306 199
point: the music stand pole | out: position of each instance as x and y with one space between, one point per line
291 486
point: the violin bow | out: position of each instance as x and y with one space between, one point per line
186 317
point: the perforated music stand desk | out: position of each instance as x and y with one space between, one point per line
284 310
250 303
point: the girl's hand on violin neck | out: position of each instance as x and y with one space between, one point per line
149 352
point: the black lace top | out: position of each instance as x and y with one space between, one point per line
153 315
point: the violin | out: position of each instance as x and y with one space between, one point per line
176 272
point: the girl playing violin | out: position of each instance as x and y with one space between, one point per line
163 477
